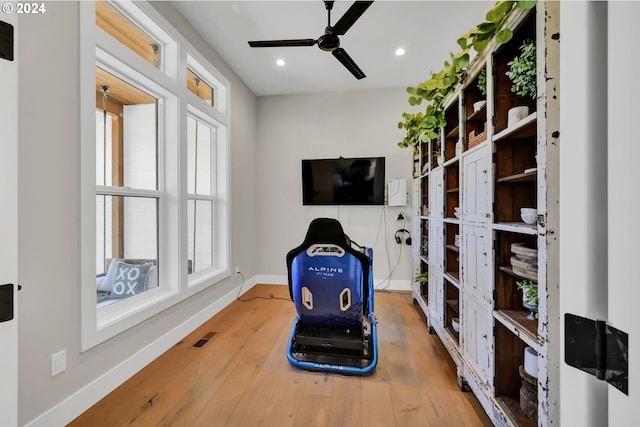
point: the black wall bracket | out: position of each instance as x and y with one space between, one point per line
6 302
598 349
6 41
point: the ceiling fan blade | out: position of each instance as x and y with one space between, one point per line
350 17
283 43
346 60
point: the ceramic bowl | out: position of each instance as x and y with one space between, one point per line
528 215
455 324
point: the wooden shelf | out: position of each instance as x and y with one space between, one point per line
479 116
520 177
453 248
454 133
453 278
525 128
453 190
516 321
516 227
510 271
454 304
513 407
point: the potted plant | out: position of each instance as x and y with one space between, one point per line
482 81
422 278
529 297
522 71
438 155
425 245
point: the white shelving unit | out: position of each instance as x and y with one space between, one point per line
467 258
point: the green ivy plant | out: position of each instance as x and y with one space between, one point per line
423 127
522 70
482 81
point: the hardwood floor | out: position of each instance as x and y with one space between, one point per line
241 377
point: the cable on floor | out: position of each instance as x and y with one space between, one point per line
271 296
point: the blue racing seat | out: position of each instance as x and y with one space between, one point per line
331 285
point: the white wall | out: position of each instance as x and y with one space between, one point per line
49 209
329 125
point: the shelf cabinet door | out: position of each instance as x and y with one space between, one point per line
436 244
476 200
477 343
436 294
476 262
436 193
416 197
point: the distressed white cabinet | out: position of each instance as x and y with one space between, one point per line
504 165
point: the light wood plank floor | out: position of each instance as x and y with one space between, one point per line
241 377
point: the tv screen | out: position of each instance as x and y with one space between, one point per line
353 181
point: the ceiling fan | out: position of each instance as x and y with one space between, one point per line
329 41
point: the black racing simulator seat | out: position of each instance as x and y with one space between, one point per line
331 285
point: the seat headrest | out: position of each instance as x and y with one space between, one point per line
326 230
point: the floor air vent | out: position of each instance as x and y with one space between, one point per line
202 341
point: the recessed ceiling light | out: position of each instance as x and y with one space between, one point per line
399 51
280 62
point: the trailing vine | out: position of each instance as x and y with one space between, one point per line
422 127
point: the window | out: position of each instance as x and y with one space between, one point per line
126 181
199 87
154 176
200 197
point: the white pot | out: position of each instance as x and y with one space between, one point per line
516 114
531 362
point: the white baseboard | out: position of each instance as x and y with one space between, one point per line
74 405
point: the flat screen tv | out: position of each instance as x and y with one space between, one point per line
353 181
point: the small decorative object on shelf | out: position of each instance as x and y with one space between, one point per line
477 139
531 361
477 106
528 395
528 215
525 260
438 156
482 84
455 324
529 297
522 70
515 114
422 278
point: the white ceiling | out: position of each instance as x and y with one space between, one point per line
427 30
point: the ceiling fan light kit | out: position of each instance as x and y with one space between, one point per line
329 41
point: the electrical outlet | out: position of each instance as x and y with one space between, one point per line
237 270
58 362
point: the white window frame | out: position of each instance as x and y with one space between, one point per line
168 84
219 197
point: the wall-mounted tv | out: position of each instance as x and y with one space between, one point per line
352 181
